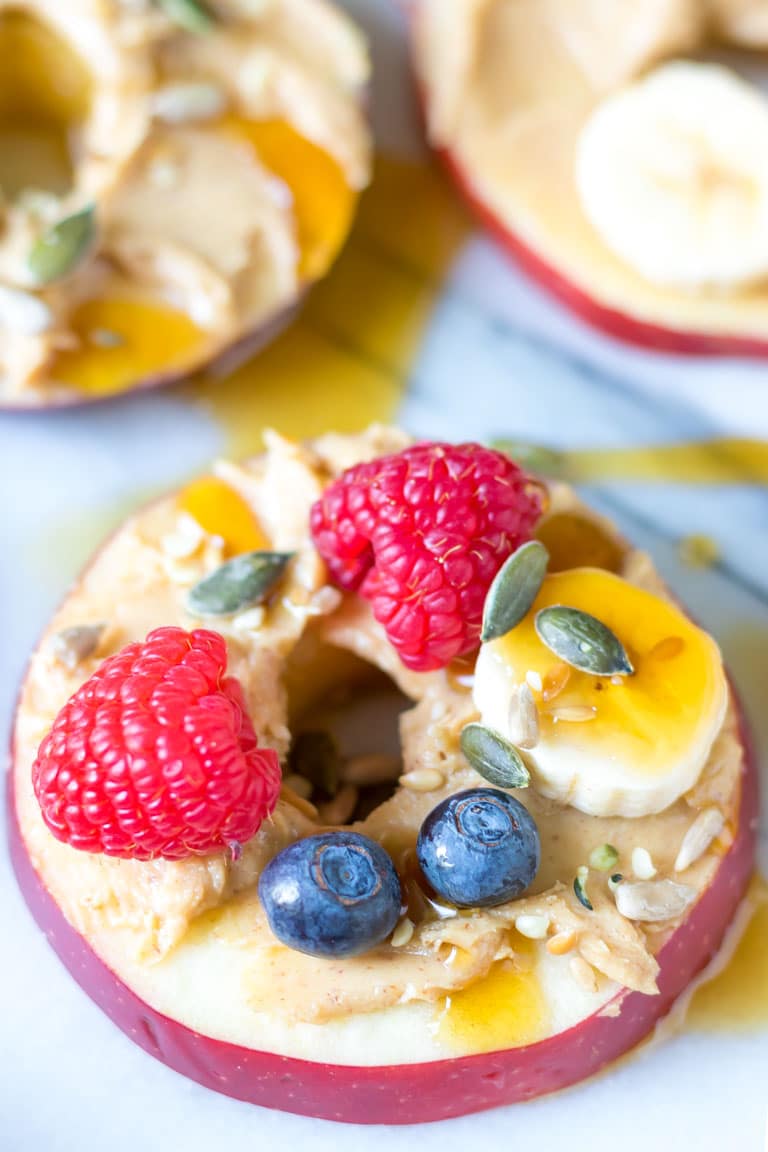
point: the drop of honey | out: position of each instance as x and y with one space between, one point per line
505 1009
736 1000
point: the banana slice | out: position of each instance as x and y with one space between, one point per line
610 746
672 172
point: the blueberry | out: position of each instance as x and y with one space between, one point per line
479 848
335 894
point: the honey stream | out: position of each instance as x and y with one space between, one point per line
737 998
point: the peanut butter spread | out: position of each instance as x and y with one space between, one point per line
221 165
509 87
285 657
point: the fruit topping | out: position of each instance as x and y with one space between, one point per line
609 743
421 534
672 173
335 894
479 848
221 511
239 583
155 755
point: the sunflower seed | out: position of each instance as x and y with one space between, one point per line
105 338
532 926
615 880
573 713
251 620
239 583
707 825
603 858
402 933
642 864
192 15
523 717
62 246
514 590
72 645
185 103
493 757
555 680
653 900
423 780
562 942
667 648
23 312
582 641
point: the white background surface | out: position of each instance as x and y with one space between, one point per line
496 357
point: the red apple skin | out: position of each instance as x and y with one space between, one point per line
415 1093
619 325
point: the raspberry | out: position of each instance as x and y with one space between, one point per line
421 534
155 755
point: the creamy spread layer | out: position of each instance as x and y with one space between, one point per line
159 915
221 166
510 87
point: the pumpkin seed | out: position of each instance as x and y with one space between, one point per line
580 888
192 15
603 858
497 761
534 457
62 246
582 641
245 580
514 590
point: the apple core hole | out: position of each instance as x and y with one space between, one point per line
345 744
45 98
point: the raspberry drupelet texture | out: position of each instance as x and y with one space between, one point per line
421 534
155 755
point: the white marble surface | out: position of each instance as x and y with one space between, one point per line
496 358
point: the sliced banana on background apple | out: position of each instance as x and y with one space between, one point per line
629 743
672 172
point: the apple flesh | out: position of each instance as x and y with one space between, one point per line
619 325
411 1092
